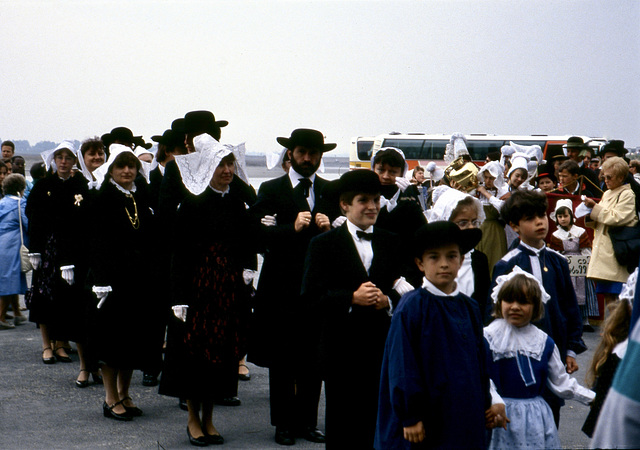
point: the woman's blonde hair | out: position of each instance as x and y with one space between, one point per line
617 165
614 331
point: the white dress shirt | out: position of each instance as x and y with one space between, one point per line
363 246
295 178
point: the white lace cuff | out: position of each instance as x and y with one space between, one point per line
67 267
101 289
34 254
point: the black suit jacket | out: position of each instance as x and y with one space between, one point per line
279 315
333 271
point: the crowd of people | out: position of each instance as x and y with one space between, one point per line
461 305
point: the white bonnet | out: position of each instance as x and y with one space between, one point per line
563 202
114 150
447 201
48 155
495 169
502 279
519 161
406 166
436 173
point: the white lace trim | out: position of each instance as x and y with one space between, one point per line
121 189
506 340
574 232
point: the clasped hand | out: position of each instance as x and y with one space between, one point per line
369 295
304 218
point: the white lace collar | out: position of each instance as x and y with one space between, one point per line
506 340
574 232
123 190
428 285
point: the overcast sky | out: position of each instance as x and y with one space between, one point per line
73 69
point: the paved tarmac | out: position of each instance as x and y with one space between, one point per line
41 408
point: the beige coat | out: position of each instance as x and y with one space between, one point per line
617 208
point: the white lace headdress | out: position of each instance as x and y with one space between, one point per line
459 142
196 169
517 270
114 150
447 201
48 155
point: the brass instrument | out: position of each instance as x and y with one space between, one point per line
463 173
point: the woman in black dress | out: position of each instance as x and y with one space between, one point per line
121 262
55 209
212 300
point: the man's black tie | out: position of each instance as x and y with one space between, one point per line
305 183
363 235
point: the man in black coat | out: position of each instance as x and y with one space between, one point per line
280 333
349 279
574 146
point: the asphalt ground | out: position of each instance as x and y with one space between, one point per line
41 408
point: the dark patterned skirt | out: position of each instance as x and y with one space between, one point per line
202 355
55 303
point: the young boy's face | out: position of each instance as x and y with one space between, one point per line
440 266
387 173
567 179
532 230
546 184
363 210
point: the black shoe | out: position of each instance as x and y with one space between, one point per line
82 384
51 360
132 411
149 380
312 434
182 403
214 439
284 437
229 401
588 328
97 378
108 412
198 442
61 358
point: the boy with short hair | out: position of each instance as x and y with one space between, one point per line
434 383
349 278
526 212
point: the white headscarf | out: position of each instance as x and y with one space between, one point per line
114 150
48 155
447 201
506 150
459 142
559 204
519 161
197 168
496 170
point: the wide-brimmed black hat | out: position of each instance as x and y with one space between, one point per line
574 142
202 122
177 126
614 146
440 233
122 134
305 137
139 142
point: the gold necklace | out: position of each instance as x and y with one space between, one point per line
135 221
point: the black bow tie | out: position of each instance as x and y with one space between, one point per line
363 235
305 184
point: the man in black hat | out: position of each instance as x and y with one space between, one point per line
574 147
351 304
279 341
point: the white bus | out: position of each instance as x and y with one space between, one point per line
420 149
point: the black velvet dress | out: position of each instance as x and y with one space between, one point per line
122 256
214 242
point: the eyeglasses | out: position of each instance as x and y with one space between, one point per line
466 223
609 177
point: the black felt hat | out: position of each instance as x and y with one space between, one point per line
613 146
123 134
305 137
440 233
177 126
360 180
546 171
574 142
202 122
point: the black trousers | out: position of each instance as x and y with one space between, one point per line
294 394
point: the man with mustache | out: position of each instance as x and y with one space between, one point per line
282 332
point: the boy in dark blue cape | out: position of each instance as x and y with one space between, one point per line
434 387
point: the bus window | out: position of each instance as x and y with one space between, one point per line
436 149
365 148
412 148
479 149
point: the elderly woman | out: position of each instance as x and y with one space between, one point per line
616 209
120 268
13 227
55 210
212 300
